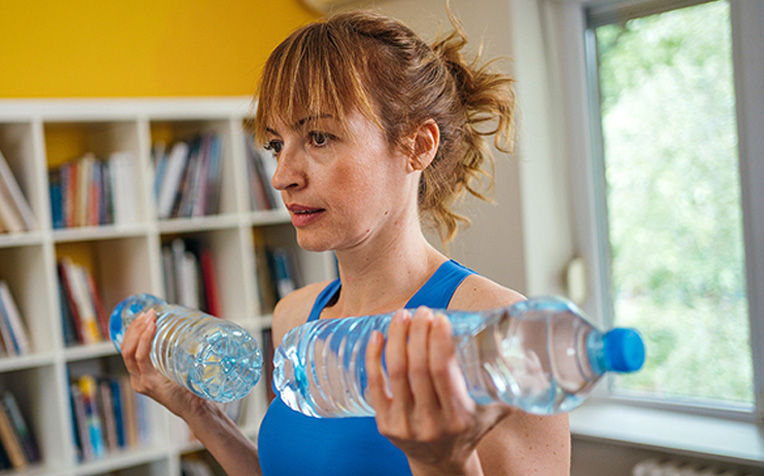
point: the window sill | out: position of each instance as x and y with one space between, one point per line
740 442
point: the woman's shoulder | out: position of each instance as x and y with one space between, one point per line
294 309
478 293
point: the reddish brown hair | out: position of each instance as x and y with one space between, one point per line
381 67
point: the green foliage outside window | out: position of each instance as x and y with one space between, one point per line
673 199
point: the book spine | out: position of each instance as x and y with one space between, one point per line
80 417
92 419
66 283
22 429
11 441
15 321
16 195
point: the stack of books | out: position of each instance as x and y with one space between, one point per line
14 339
187 177
18 447
261 166
85 320
15 214
93 192
108 416
189 276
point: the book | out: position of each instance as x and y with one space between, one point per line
102 317
26 438
212 191
88 322
12 221
81 425
168 271
268 350
11 441
212 294
56 198
11 187
69 295
265 287
129 411
15 322
93 423
172 177
260 195
283 275
119 413
6 333
108 417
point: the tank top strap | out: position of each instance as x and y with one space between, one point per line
440 287
323 299
436 293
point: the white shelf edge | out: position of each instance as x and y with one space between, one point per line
666 431
27 238
111 109
102 232
90 351
24 362
205 223
122 459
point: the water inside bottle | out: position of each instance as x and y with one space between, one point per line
218 361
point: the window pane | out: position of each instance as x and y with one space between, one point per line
673 201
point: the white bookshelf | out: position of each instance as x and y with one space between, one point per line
127 260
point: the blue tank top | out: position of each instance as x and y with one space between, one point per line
290 443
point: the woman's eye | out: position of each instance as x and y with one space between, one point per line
319 139
274 146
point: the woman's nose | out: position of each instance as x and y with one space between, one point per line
289 174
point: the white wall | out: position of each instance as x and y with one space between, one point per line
523 240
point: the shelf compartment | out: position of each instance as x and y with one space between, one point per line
130 428
20 150
35 392
119 267
225 255
68 142
20 266
223 196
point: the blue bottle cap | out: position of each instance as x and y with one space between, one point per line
624 350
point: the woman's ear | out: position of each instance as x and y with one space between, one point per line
426 140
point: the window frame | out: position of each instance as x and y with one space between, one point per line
582 116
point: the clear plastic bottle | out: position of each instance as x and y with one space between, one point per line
213 358
541 355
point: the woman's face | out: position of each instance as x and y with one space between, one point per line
342 187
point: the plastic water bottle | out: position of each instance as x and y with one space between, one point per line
541 355
213 358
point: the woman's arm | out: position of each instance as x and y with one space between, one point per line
236 453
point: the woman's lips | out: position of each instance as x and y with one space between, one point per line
302 215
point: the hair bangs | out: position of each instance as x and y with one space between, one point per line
316 72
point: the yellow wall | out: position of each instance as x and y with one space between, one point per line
139 48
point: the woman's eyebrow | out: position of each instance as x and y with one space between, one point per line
302 121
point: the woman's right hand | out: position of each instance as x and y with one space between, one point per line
144 378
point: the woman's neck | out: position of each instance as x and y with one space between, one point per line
381 276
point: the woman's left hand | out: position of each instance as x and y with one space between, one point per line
426 410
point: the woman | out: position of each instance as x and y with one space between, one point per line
374 131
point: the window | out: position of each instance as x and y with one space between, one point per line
671 228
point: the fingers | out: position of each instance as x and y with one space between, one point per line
134 346
143 349
418 349
447 377
377 388
397 360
